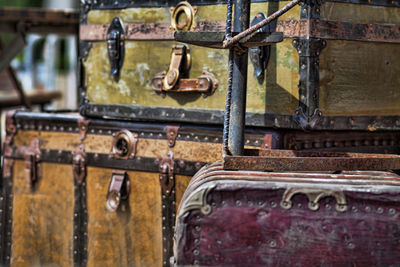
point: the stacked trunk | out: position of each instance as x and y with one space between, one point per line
104 189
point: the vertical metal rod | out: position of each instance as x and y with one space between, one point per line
225 150
247 31
228 27
239 82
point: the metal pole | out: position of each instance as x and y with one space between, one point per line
239 82
246 32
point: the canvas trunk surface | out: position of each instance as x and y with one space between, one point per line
353 74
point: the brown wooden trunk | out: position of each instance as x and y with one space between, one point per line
60 218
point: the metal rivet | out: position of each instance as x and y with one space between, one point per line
350 245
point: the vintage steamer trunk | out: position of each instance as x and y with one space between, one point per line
59 170
271 207
97 193
337 57
249 218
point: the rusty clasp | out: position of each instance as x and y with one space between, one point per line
32 156
175 79
79 164
118 190
167 178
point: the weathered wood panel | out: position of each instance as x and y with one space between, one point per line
360 13
131 236
43 217
146 147
360 78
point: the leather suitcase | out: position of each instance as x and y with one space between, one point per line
250 218
333 57
87 192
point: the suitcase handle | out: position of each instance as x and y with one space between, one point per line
314 195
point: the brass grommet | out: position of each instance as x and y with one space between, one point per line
183 8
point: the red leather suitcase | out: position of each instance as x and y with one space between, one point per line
252 218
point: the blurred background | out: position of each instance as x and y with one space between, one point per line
47 65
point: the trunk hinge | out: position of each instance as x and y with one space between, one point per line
83 126
267 142
79 164
32 157
167 177
11 130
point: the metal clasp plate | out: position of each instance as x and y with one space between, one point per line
32 157
118 190
79 164
167 178
116 47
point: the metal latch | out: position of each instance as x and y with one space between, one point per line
176 78
116 47
167 178
32 157
118 190
79 164
259 55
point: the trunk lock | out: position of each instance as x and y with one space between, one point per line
124 144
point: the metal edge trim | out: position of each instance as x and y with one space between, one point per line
362 123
